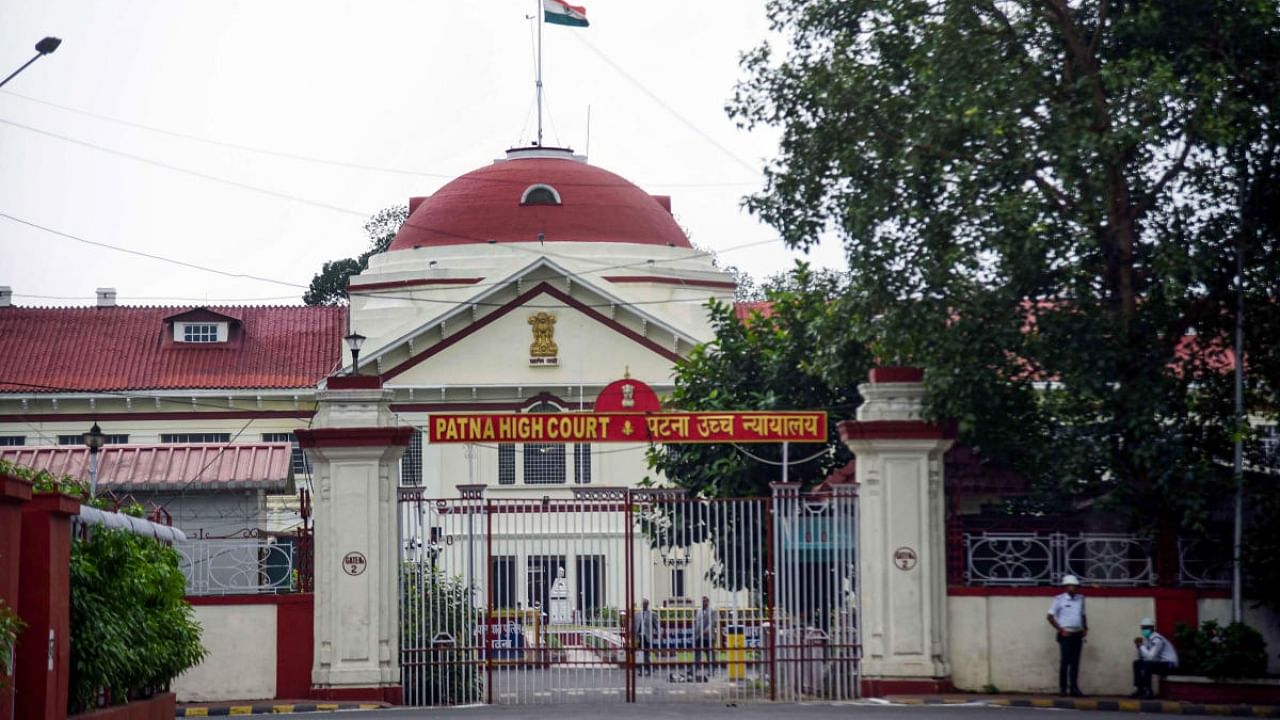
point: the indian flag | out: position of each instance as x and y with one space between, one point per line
560 12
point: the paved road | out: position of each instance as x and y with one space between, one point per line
708 711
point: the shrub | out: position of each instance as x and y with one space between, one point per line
10 626
433 603
1233 651
132 630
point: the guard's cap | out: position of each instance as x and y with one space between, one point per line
1147 622
1070 580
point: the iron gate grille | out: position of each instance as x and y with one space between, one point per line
635 595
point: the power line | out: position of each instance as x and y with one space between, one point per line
654 97
187 171
149 256
507 246
323 161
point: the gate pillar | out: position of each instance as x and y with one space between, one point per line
354 447
901 533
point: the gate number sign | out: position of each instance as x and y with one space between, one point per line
905 558
353 563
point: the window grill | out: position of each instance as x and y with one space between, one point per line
200 333
506 464
121 439
301 467
13 440
195 438
582 463
411 461
544 463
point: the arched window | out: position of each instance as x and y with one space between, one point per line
540 195
544 463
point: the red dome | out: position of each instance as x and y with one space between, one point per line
487 205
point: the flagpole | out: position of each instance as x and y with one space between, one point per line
539 73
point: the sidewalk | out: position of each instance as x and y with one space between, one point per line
269 707
1102 703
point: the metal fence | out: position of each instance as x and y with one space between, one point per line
1101 559
239 566
631 595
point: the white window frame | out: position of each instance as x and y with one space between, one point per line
524 196
180 332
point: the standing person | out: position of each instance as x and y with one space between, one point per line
1068 618
704 633
1156 656
646 628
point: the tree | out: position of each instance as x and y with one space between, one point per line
1041 202
329 286
779 360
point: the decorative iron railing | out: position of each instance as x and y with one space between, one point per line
1035 558
238 567
1202 563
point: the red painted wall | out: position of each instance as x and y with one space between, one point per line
295 641
13 494
44 602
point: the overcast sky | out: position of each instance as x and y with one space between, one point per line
417 91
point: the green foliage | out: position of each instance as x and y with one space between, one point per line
1233 651
132 630
1262 542
10 627
795 357
329 286
432 603
43 481
1041 203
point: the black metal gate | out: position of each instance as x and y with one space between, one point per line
639 595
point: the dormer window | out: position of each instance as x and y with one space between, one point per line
540 195
202 326
203 332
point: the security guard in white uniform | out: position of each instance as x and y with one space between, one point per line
1068 618
1155 656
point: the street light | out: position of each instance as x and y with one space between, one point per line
354 341
94 440
44 47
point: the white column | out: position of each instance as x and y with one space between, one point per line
901 530
355 448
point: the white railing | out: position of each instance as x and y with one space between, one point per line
1031 558
237 567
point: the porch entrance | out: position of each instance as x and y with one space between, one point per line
629 595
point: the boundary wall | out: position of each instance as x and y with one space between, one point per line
260 648
999 637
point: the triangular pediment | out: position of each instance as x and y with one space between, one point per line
487 338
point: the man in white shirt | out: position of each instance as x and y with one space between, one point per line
1068 618
704 633
646 635
1155 656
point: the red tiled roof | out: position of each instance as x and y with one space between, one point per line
174 468
744 309
131 348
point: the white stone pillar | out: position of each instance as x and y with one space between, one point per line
354 447
901 533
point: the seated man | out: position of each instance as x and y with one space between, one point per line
1156 656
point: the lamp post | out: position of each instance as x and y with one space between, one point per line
354 341
44 47
94 440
